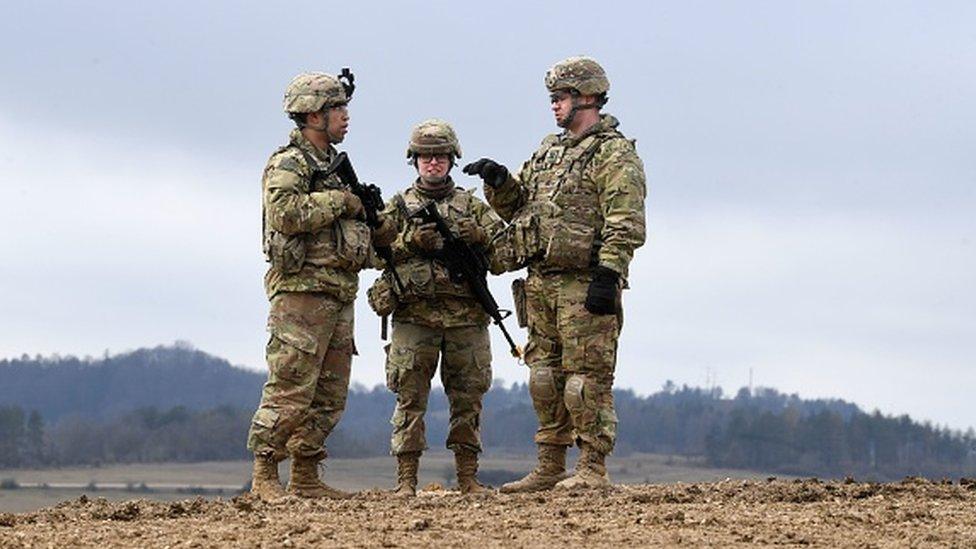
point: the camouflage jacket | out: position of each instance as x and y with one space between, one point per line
578 202
310 246
431 298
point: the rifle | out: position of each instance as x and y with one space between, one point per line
464 263
372 198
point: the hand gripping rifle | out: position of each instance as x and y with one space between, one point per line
372 198
469 265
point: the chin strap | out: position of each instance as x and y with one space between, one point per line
324 128
576 108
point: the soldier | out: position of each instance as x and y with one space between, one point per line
435 318
316 242
576 209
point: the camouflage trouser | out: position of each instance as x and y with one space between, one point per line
465 354
309 357
571 355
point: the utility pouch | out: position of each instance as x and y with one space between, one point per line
418 281
570 246
286 253
381 296
522 238
518 296
353 244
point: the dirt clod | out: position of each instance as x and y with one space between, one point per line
727 513
127 511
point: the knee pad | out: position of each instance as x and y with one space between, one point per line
542 384
574 394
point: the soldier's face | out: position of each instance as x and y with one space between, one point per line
338 123
562 104
433 167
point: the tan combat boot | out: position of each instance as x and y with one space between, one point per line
550 470
264 478
407 464
466 464
591 471
305 482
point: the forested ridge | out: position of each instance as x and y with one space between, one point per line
175 403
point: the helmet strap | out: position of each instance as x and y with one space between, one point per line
323 128
576 107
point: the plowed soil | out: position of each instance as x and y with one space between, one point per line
730 513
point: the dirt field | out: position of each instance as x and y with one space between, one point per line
727 513
163 479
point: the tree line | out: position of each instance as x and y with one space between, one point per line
767 432
761 430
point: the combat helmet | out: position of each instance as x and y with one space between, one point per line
582 74
313 91
433 136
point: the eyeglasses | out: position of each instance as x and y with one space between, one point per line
431 158
342 107
556 97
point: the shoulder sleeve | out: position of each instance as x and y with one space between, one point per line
619 175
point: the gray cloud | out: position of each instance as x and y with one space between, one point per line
810 166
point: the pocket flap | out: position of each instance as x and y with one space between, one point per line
266 417
294 335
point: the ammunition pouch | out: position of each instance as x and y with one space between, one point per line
553 243
353 244
425 279
418 281
570 245
525 239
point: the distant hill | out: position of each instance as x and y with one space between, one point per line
180 404
162 377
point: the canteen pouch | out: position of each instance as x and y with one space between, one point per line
381 296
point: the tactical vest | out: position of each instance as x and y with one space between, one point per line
559 226
425 277
343 245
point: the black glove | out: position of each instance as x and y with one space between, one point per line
601 297
492 173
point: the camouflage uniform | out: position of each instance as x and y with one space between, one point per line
576 204
315 250
435 318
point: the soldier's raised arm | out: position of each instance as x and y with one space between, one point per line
506 194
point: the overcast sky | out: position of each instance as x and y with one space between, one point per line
810 166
